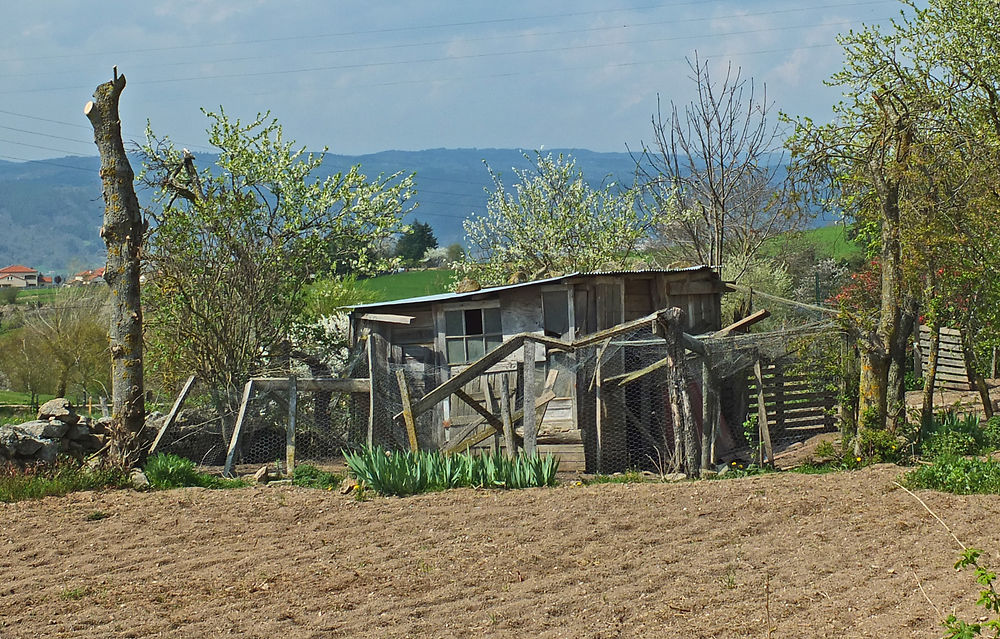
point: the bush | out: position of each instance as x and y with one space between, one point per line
953 434
409 473
310 476
959 475
8 295
165 471
65 476
875 446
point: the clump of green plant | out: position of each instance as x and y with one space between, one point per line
954 434
959 475
64 476
310 476
165 471
874 446
97 515
988 599
73 594
751 432
739 469
407 473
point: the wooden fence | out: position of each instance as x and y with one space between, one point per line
952 373
798 405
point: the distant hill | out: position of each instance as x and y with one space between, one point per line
51 210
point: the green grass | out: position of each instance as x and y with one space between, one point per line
43 295
20 399
65 476
398 286
165 471
827 242
309 476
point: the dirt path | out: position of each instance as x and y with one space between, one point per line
822 556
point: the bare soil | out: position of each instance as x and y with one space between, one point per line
841 555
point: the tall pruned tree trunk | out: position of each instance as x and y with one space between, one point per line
930 378
123 232
896 381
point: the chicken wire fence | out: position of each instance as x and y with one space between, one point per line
588 410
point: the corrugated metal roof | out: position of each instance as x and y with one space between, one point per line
451 297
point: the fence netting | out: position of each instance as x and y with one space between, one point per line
603 407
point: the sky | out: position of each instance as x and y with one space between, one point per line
360 77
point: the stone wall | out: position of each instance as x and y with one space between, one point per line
58 430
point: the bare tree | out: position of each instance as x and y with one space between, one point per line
123 231
715 177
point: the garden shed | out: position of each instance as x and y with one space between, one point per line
412 347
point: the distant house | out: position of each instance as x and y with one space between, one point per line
90 276
17 276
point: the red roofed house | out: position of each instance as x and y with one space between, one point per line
17 276
90 276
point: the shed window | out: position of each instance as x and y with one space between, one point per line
555 312
471 333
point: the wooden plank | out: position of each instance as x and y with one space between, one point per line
528 395
333 384
408 420
508 424
710 411
766 450
234 441
485 415
172 415
387 318
744 323
293 399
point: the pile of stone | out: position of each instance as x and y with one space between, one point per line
58 430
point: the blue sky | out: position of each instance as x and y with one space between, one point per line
363 76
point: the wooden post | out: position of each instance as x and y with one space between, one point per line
766 452
234 442
528 399
709 414
172 415
293 398
370 435
600 408
404 393
488 400
508 424
104 406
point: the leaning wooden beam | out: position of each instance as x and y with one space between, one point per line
234 441
408 418
479 408
335 384
783 300
172 415
746 322
766 450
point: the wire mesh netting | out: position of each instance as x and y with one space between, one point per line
603 407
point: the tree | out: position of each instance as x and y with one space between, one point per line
552 223
910 157
714 177
234 247
415 242
123 231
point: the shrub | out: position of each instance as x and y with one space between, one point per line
991 433
310 476
953 434
959 475
65 476
407 473
875 446
165 471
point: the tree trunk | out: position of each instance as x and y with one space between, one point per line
871 390
972 370
123 232
930 377
896 378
